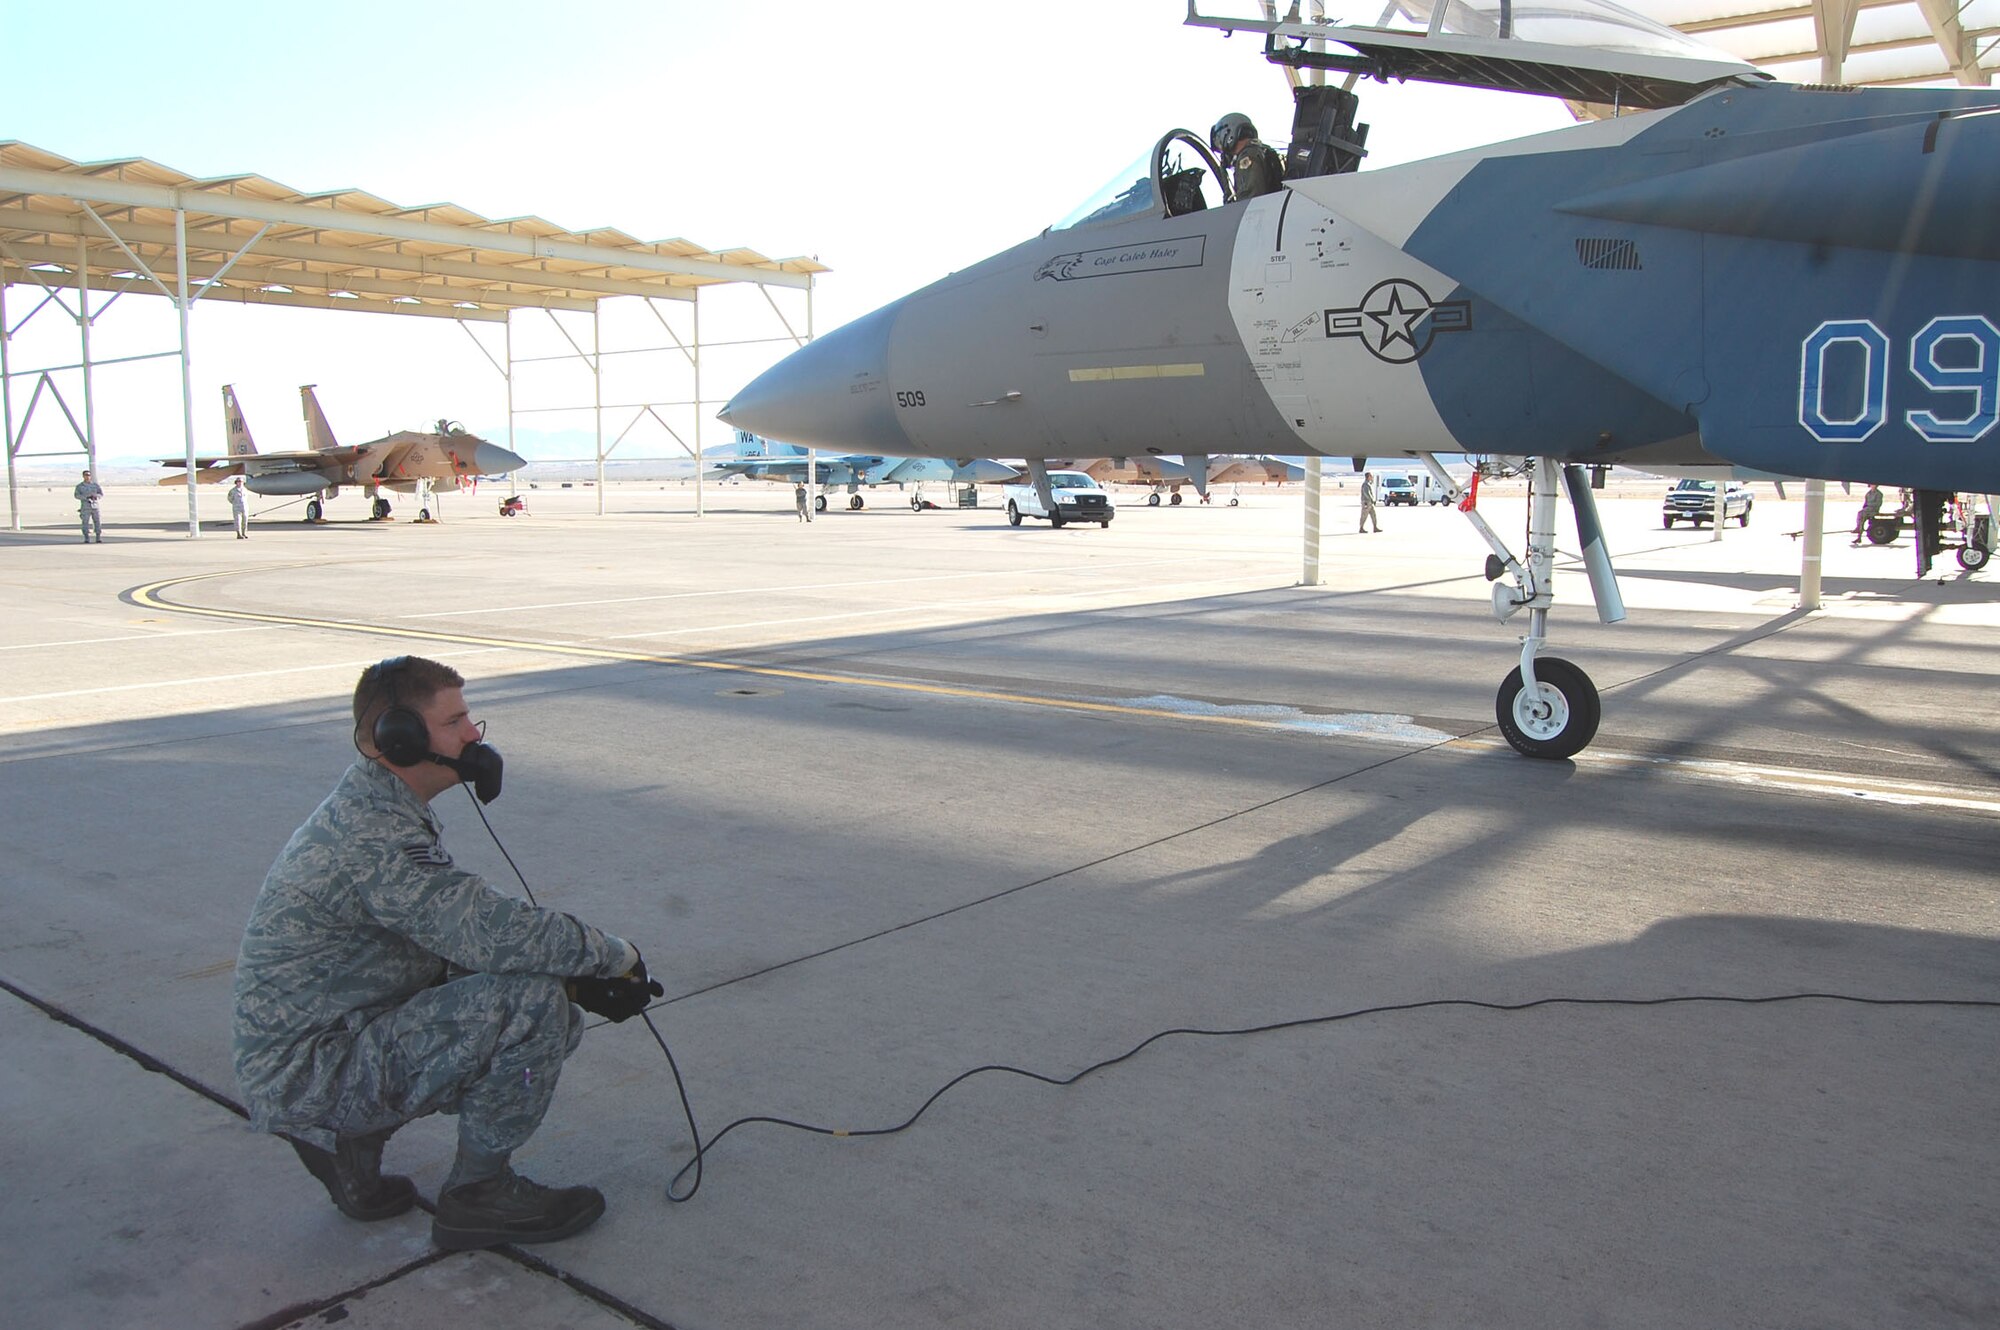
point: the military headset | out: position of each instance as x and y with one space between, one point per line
403 737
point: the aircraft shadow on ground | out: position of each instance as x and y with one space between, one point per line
1948 584
1173 879
750 810
1793 693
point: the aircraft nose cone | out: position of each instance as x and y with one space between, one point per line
490 459
831 393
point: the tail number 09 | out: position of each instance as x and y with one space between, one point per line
1848 359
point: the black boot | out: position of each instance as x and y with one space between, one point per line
352 1176
509 1208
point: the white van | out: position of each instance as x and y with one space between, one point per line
1412 489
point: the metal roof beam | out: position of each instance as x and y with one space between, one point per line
1864 48
302 300
61 184
307 252
1961 55
1758 18
200 270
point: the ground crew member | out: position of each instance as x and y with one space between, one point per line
1871 504
803 501
378 983
1255 167
239 508
1368 501
89 494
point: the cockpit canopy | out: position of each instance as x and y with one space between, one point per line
1175 176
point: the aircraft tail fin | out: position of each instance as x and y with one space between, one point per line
319 434
238 429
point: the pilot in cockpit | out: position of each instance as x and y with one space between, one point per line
1255 167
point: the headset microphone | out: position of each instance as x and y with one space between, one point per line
479 766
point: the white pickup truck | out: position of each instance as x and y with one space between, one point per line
1078 499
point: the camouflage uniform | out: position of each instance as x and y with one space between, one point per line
354 1011
89 494
1257 169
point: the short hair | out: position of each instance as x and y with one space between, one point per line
410 681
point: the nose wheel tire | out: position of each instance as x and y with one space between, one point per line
1558 720
1972 558
313 510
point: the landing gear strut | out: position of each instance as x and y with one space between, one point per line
1546 706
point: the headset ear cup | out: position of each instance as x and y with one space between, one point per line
402 737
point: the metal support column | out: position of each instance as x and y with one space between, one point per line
696 302
1311 576
83 340
507 333
1813 540
7 410
812 454
187 376
597 400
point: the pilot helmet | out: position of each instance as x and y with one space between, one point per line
1229 130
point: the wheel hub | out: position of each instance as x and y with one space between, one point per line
1544 715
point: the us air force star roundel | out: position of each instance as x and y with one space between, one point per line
1397 320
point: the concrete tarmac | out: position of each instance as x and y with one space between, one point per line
896 795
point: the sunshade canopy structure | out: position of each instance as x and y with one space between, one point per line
132 224
1860 42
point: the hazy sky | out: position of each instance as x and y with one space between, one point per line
891 139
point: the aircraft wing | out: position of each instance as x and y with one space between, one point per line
967 471
768 468
390 456
832 470
1254 471
204 475
309 456
1134 470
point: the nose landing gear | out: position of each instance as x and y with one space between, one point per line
1546 707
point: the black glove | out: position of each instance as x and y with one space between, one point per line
618 999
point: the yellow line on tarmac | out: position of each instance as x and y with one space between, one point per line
1738 773
149 597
